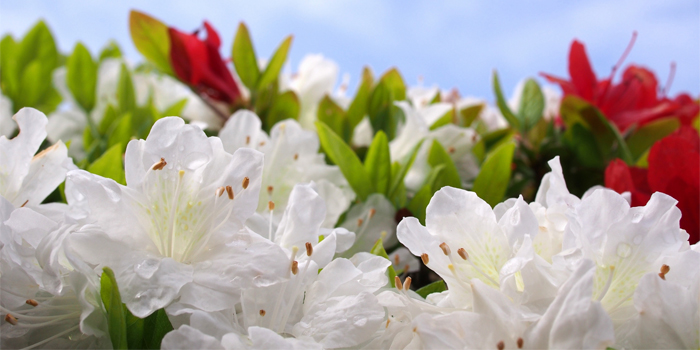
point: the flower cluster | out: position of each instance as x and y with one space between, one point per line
185 204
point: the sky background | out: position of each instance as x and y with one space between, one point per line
448 43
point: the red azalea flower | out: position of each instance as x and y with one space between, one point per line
632 101
674 169
198 63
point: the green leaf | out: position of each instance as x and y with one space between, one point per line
582 142
358 107
110 165
418 204
111 50
155 327
449 175
9 79
108 118
649 133
274 66
379 109
489 141
112 301
151 38
342 155
503 105
32 85
378 163
125 91
398 176
175 109
378 250
121 132
134 330
81 77
284 106
492 181
469 114
447 118
392 78
244 58
38 45
333 116
435 287
531 106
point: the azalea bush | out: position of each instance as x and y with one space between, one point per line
216 199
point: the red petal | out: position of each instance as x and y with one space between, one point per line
566 86
582 75
212 36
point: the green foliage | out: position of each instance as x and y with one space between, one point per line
503 105
492 181
111 50
435 287
81 77
285 106
126 330
274 66
358 106
116 318
642 139
449 175
244 59
531 106
110 165
334 116
399 170
151 38
26 69
342 155
125 91
378 250
378 163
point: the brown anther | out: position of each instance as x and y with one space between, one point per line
405 268
415 329
245 183
396 259
424 257
247 140
451 150
309 249
520 343
11 319
295 267
407 283
160 165
397 283
463 253
271 205
32 302
262 143
371 213
445 248
387 323
296 156
359 222
664 270
229 191
220 191
501 345
270 189
25 203
262 312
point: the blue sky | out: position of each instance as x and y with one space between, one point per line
448 43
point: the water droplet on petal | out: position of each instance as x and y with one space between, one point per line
624 250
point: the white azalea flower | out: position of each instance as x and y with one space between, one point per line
291 157
625 243
49 298
315 78
177 229
490 115
7 126
27 179
421 96
371 220
335 308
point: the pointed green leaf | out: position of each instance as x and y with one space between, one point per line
435 287
32 85
342 155
381 114
406 164
531 106
392 78
503 105
418 204
492 181
175 109
333 116
155 327
125 91
284 106
81 77
38 45
111 50
449 175
110 165
446 118
151 38
378 250
582 142
378 163
649 133
274 66
469 114
121 132
244 58
358 107
9 78
116 320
